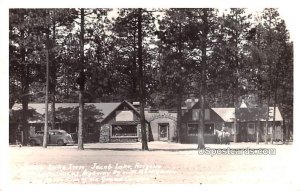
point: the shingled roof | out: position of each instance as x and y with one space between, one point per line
227 114
103 109
134 109
247 114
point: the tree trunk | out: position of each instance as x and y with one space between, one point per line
267 119
25 128
236 104
236 83
178 126
283 131
179 91
235 122
45 138
134 71
260 126
53 75
25 91
80 122
274 119
81 81
141 75
287 138
53 111
257 133
201 144
288 131
275 100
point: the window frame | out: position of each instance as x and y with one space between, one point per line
214 127
192 134
248 127
116 136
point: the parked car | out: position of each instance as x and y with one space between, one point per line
55 136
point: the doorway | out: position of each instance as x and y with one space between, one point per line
163 132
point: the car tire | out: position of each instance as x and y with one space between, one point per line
32 142
60 143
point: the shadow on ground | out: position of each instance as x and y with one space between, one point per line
135 149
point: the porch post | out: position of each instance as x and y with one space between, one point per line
281 130
257 132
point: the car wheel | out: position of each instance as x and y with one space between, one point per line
60 143
32 142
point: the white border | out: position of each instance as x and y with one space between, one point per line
288 11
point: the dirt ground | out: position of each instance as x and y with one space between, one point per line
125 163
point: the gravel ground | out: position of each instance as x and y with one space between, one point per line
125 163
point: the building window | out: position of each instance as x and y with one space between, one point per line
193 129
195 114
124 130
209 129
90 129
207 114
37 128
251 128
270 130
230 128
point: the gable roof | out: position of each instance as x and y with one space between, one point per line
248 114
227 114
104 108
119 105
245 114
278 116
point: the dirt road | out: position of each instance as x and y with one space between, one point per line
164 163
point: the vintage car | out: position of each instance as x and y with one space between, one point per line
55 136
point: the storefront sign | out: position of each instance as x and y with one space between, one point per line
162 115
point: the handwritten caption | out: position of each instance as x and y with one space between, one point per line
92 173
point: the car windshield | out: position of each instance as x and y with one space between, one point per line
61 132
58 132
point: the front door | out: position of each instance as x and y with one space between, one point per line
243 132
163 130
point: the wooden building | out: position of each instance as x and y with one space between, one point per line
122 125
120 122
190 124
250 122
66 119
